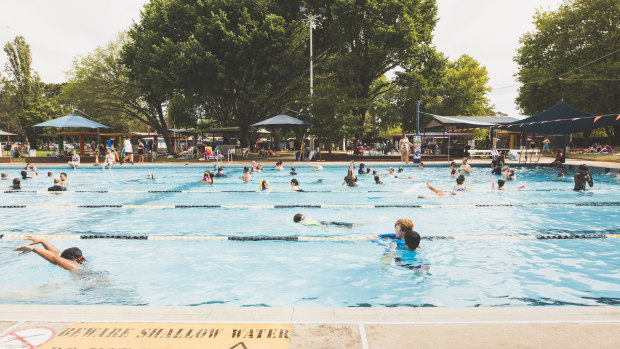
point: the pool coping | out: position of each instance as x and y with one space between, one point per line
365 315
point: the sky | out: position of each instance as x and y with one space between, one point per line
60 30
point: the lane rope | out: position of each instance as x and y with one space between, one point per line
262 207
302 238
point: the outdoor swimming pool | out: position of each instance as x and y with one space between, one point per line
487 254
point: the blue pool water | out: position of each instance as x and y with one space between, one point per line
480 267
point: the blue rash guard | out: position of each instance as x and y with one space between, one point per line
400 243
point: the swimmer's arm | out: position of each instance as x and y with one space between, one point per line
43 242
49 256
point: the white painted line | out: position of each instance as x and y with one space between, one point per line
10 329
284 321
363 336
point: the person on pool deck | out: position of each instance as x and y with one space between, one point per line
63 179
17 184
246 175
465 168
109 160
56 186
404 238
128 148
295 185
300 218
75 160
69 259
581 177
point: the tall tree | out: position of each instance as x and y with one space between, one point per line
558 60
243 58
374 37
99 84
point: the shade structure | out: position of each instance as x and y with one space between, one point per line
560 119
71 120
281 120
4 133
468 121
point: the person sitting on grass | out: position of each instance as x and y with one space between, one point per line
69 259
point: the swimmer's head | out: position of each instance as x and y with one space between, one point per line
583 167
298 218
220 170
460 179
377 179
150 175
500 183
362 165
404 224
512 171
412 240
16 182
421 165
294 181
245 169
452 164
24 174
374 172
63 176
400 169
73 254
57 181
505 168
4 175
50 173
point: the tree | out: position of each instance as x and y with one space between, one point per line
373 37
443 87
99 84
559 59
21 90
243 58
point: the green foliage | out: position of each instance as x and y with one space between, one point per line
370 38
35 113
562 45
99 85
244 58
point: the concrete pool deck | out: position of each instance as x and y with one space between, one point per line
334 327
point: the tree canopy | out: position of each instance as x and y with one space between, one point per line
560 58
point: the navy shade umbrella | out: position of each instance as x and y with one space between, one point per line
281 120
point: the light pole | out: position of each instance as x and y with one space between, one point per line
311 20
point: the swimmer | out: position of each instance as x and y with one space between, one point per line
581 177
279 166
460 186
69 259
300 218
17 184
150 175
246 175
421 165
400 169
561 173
220 172
293 173
511 175
391 172
63 179
4 176
25 175
404 238
295 185
263 185
75 160
56 187
378 180
50 173
207 177
465 167
316 166
506 171
500 184
350 179
361 170
259 167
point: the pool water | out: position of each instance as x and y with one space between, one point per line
488 265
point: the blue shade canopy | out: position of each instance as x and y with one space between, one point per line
281 120
71 120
